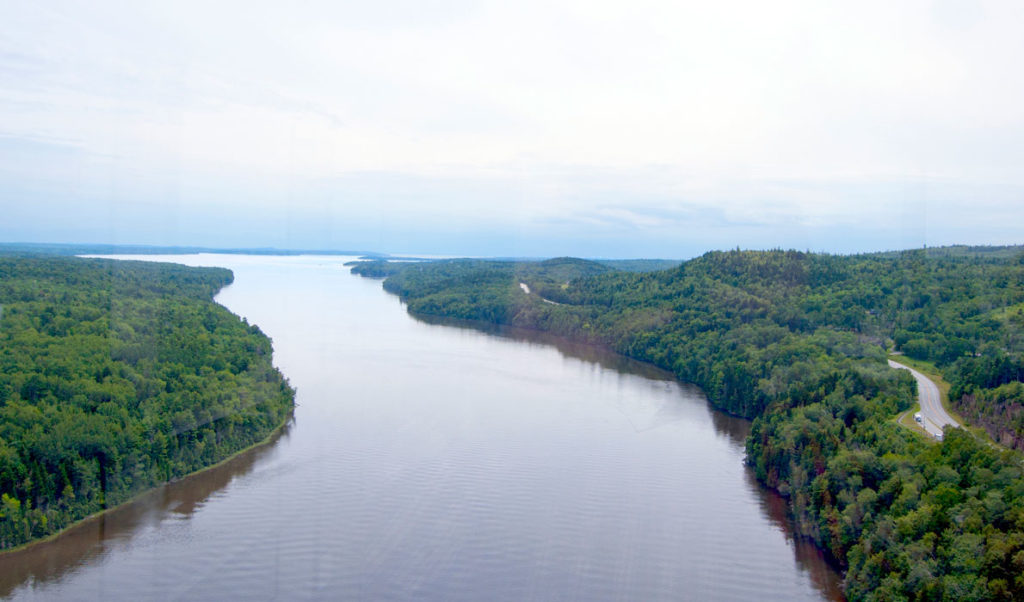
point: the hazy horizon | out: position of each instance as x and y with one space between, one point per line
530 130
104 249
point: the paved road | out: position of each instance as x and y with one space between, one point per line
526 289
933 415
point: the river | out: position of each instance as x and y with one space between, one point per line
434 462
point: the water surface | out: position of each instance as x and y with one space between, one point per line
427 461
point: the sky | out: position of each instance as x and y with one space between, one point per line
528 128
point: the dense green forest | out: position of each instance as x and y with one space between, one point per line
798 342
118 376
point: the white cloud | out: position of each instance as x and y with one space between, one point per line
781 112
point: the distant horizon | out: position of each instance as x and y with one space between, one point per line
541 129
142 248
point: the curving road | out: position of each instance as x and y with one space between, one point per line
933 415
526 289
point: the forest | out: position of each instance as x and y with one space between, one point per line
798 342
116 377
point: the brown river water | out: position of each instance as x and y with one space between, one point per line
436 462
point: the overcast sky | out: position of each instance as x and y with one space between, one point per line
615 129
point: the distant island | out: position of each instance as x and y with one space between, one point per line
116 377
798 342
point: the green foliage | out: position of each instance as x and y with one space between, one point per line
376 268
115 377
999 410
983 252
640 265
798 342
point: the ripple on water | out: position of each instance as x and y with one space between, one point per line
428 462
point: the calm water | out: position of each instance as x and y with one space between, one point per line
427 461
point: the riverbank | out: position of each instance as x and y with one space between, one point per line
144 496
797 342
600 351
437 462
116 376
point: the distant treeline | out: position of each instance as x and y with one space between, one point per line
116 377
798 342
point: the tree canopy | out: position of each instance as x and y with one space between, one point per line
118 376
797 342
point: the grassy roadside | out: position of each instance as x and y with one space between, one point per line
906 420
929 370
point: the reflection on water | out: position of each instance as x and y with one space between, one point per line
594 354
775 507
809 558
428 461
74 547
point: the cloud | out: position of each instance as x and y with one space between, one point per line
634 120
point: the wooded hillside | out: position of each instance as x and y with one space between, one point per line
798 342
115 377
